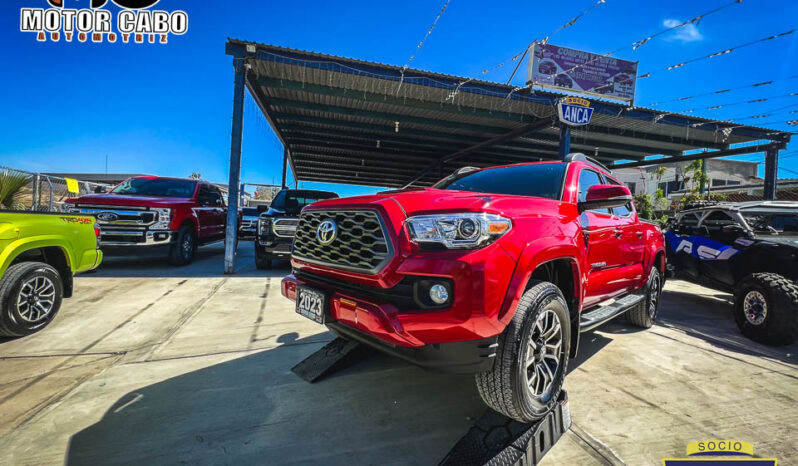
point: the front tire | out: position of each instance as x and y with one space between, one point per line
766 308
182 251
532 357
30 297
262 260
644 314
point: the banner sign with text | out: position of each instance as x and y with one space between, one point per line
555 67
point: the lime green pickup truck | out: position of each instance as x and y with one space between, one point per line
39 254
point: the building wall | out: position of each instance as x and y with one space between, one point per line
721 173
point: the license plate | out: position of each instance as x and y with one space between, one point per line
311 303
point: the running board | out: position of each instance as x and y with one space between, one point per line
598 316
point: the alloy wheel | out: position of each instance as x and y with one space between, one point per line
187 245
653 296
543 354
36 299
755 307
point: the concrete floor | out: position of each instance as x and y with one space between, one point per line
154 364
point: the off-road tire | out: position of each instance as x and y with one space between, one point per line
780 326
504 387
11 322
262 261
644 314
178 255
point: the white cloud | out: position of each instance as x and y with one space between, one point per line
687 33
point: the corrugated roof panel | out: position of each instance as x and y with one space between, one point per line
338 116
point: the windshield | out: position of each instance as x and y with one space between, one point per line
539 180
298 199
156 187
250 211
785 223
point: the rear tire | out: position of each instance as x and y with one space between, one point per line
182 251
644 314
30 297
525 382
766 308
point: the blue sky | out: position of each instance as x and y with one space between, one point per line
167 109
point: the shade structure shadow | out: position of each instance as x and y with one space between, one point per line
253 410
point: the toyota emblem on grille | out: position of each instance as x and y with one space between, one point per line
107 216
327 232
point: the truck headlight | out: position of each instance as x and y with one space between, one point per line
264 225
163 220
458 231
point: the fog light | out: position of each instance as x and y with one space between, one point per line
438 294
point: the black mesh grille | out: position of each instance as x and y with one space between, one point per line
360 243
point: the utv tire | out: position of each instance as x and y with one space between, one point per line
644 314
182 251
30 297
519 386
766 308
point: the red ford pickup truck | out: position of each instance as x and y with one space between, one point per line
154 213
493 271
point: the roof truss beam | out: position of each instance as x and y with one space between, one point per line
704 155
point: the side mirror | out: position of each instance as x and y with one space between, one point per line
101 189
605 196
215 199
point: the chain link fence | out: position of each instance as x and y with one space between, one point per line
22 190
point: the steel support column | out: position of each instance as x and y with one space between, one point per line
771 170
235 165
565 140
285 167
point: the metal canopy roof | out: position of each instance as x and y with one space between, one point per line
349 121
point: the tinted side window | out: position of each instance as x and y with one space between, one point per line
588 178
221 196
625 210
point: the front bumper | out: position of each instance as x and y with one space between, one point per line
247 232
278 247
463 357
452 339
122 238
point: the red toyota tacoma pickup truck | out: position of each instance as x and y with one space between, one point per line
155 213
493 272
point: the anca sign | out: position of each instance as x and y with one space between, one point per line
575 111
133 23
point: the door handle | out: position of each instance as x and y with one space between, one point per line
618 233
639 235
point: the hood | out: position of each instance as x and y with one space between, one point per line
780 240
128 200
430 200
272 212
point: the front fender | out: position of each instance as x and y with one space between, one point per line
655 245
183 215
537 252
